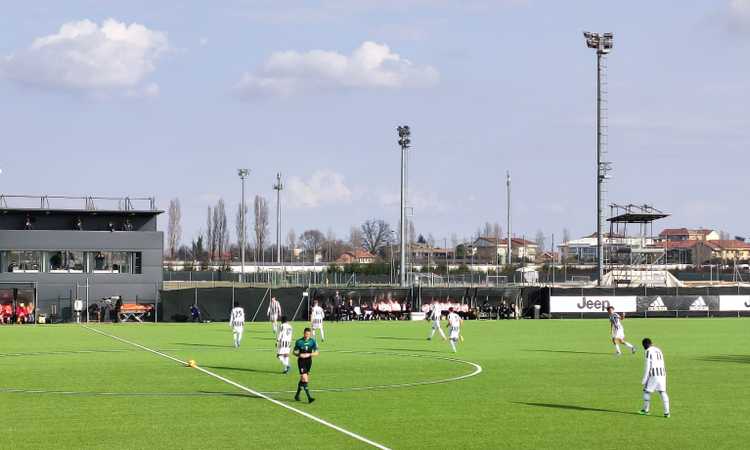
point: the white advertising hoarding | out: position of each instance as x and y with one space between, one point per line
734 303
591 304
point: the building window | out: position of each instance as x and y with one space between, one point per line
111 262
22 261
66 261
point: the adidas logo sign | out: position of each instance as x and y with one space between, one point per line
657 305
699 305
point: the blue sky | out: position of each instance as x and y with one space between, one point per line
169 98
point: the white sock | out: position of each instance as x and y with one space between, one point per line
617 347
665 401
432 333
646 401
322 334
281 360
275 328
628 345
453 344
441 332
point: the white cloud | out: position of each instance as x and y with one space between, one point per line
323 187
423 203
371 65
739 15
85 56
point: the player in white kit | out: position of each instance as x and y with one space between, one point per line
618 332
316 316
454 327
436 313
654 378
284 343
237 324
274 314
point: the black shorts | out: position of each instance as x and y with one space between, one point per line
304 364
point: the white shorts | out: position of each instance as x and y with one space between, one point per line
317 325
238 330
619 334
284 351
435 324
455 331
656 384
274 318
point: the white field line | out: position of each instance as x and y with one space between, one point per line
248 390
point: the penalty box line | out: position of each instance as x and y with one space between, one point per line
246 389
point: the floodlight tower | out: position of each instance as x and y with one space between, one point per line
509 250
243 173
404 141
602 43
278 187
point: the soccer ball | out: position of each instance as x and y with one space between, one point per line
191 363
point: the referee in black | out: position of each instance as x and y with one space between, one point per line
304 349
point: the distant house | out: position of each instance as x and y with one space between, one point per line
493 250
358 256
583 250
704 251
686 234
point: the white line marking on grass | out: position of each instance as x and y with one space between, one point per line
246 389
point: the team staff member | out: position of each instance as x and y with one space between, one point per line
304 349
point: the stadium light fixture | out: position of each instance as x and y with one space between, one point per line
602 43
243 173
404 141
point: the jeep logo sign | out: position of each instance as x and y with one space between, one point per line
591 304
734 303
588 304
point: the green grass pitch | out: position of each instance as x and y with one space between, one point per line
544 384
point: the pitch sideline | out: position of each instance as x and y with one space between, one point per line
246 389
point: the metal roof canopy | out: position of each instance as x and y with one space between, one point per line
123 204
645 214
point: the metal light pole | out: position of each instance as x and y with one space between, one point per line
509 256
243 173
278 187
404 141
602 43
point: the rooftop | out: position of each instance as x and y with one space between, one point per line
72 204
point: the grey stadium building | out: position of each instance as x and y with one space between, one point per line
56 249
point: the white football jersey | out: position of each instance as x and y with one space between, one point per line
654 364
317 314
284 339
237 318
436 313
454 320
274 309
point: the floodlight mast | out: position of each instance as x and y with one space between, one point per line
278 187
404 141
243 173
602 43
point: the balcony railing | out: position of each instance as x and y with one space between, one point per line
89 203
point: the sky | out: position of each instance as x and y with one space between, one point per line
169 98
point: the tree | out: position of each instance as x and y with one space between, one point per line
412 236
375 235
566 235
261 223
210 237
291 242
221 230
356 238
196 248
724 235
174 229
540 240
240 220
421 240
311 241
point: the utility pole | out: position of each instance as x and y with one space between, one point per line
243 173
404 142
510 246
602 43
278 187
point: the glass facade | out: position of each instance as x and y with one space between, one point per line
69 261
22 261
